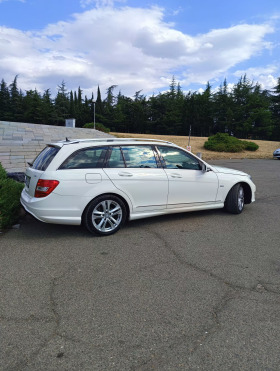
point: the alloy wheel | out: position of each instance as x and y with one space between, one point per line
107 216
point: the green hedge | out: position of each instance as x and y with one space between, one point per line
10 191
98 126
222 142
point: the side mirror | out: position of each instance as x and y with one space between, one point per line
205 169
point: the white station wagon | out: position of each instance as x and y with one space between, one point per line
104 182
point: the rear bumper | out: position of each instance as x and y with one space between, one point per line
54 208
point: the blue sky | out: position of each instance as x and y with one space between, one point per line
138 45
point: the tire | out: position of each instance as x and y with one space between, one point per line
235 200
105 215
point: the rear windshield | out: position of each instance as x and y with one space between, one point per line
43 160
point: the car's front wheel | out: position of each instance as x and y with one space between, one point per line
235 199
105 215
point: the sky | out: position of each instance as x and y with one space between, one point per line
138 45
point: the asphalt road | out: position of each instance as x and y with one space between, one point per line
182 292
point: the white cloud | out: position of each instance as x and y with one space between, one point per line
99 3
265 76
130 47
220 50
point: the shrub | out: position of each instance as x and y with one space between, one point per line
250 146
98 126
222 142
10 191
3 174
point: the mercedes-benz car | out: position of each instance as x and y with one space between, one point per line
102 183
276 153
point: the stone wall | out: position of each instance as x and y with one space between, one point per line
21 142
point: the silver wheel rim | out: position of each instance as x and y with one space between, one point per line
107 216
240 198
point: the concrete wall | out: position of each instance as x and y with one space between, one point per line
21 142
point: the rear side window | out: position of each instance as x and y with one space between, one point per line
43 160
87 158
116 158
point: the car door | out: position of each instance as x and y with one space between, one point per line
135 170
188 184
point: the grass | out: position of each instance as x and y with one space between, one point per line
265 150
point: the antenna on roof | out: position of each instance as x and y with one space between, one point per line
67 140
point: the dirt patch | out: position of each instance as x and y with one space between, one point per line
265 150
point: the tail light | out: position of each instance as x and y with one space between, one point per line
45 187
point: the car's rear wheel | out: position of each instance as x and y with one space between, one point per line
105 215
235 199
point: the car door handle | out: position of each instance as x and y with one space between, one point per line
124 173
174 175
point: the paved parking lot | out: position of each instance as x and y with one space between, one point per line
181 292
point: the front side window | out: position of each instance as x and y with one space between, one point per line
44 158
177 159
87 158
139 156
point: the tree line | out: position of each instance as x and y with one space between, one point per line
245 110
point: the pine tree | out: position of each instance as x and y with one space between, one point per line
251 112
48 112
275 98
33 108
79 108
72 112
109 106
222 110
61 104
4 101
16 101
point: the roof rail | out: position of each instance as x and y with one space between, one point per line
147 139
72 141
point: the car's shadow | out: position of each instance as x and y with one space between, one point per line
31 227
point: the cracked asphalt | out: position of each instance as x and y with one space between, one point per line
194 291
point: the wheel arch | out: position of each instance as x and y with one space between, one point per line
108 194
247 192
